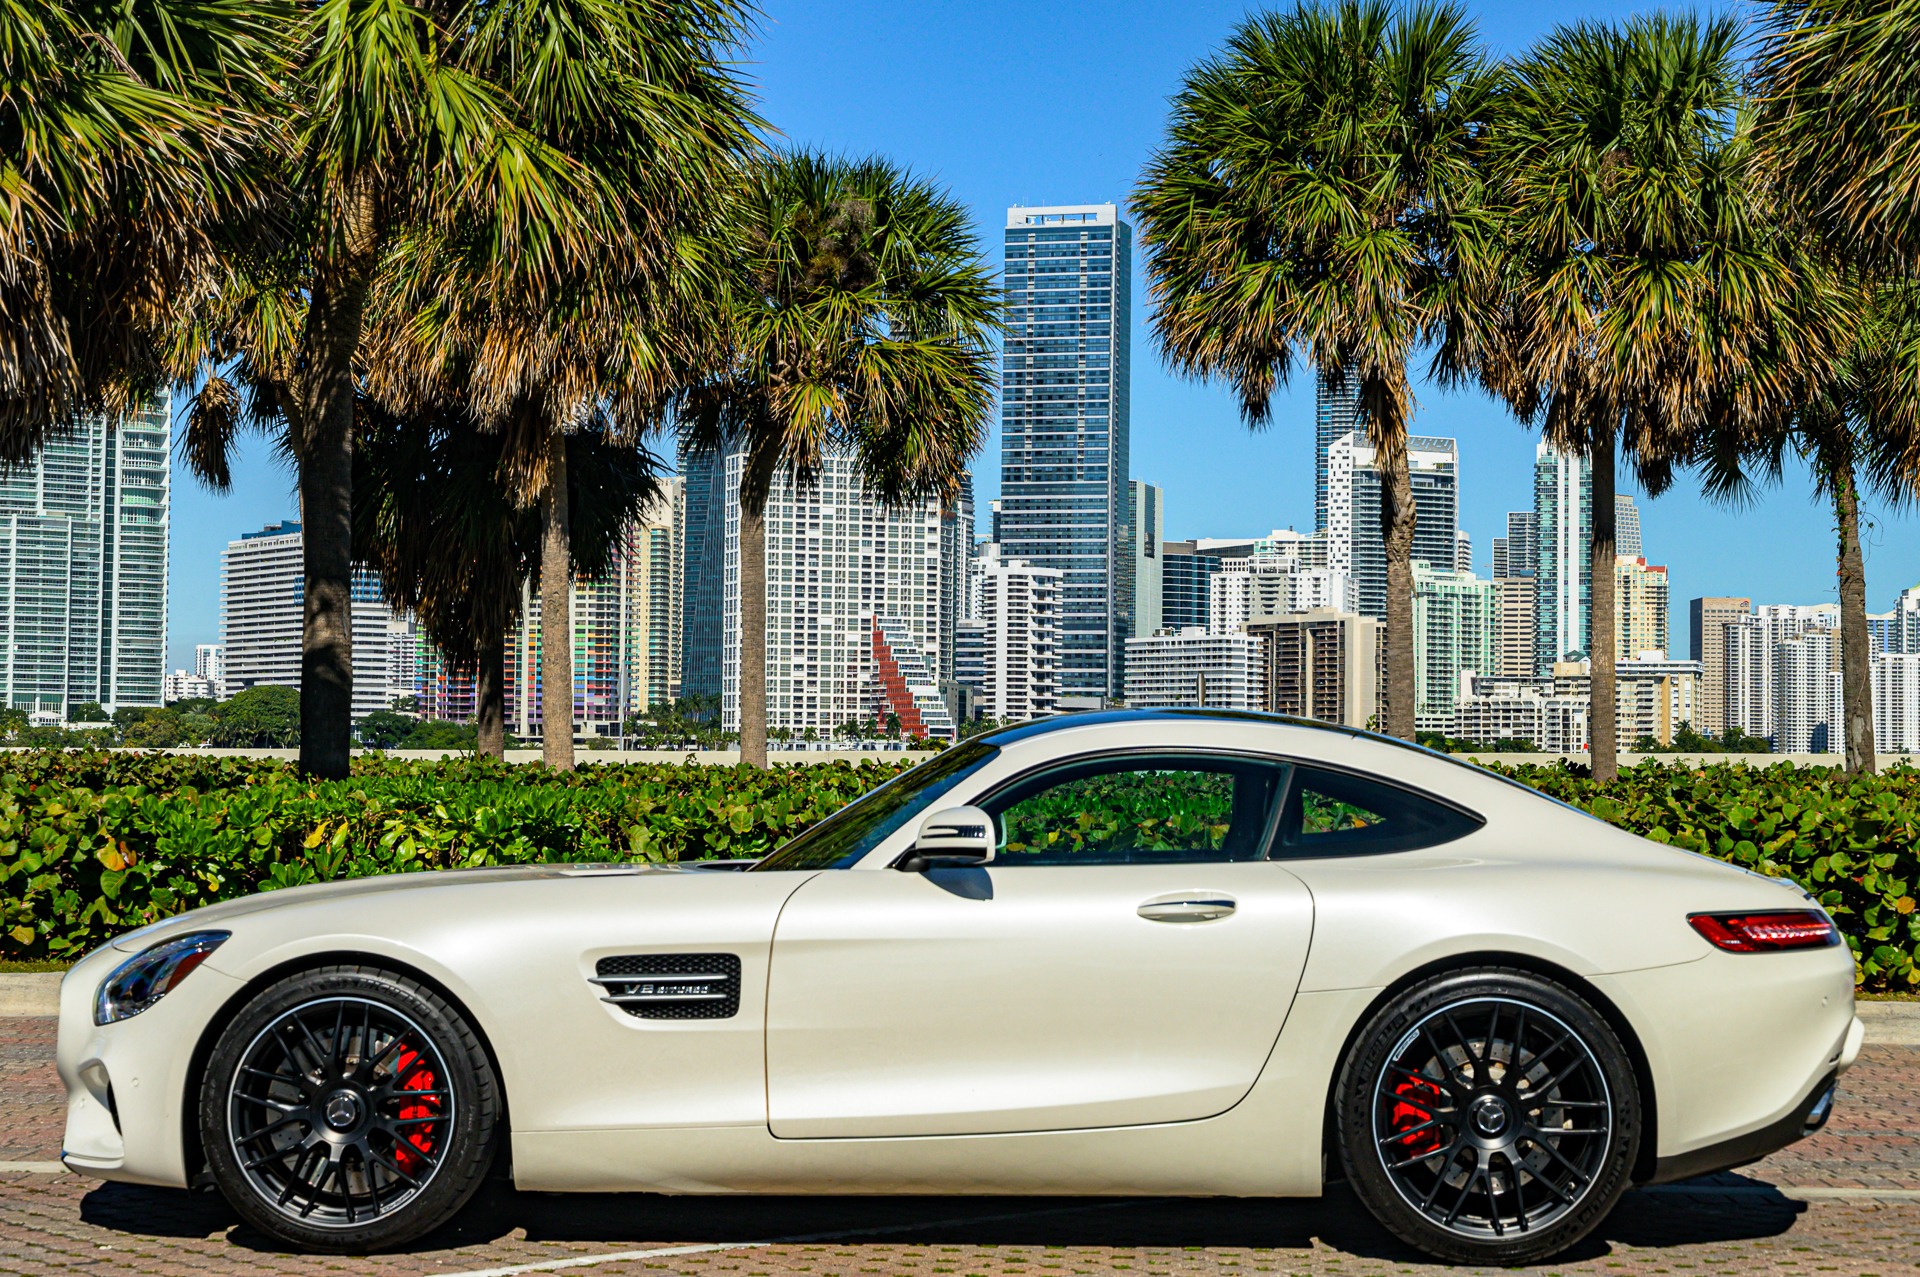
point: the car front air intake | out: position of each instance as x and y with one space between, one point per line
671 986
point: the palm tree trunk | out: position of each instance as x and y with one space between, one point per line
753 636
490 699
556 612
1856 647
1397 522
322 416
1603 622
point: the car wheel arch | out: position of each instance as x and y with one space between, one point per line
1643 1168
194 1157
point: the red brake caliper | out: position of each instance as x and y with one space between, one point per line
414 1076
1413 1107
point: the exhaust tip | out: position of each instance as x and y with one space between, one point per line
1822 1109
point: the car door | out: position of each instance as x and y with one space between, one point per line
1127 958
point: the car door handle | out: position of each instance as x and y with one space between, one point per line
1198 909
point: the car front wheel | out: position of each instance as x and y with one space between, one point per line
348 1109
1489 1117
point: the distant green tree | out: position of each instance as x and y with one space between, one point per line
384 729
259 718
88 712
156 729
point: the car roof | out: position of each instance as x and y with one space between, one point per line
1100 718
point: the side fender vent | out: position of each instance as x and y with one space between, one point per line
672 986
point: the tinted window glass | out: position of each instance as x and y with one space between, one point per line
860 826
1138 810
1332 813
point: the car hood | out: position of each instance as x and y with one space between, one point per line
216 915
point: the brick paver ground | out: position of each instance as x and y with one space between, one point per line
1808 1210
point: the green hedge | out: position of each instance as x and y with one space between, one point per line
96 843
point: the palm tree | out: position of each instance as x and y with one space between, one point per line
1638 276
533 137
1852 418
1840 88
1319 197
861 322
438 521
127 128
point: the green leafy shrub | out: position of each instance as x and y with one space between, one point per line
95 843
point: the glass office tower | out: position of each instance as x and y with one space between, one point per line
1064 428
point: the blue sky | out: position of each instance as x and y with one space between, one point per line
1061 102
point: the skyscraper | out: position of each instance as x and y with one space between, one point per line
1353 512
1455 628
1335 415
1707 644
1015 632
1321 664
1144 523
83 566
1563 530
262 580
1517 553
1626 527
1640 603
703 565
1065 440
1185 572
853 605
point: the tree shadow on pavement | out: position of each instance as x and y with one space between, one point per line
1697 1214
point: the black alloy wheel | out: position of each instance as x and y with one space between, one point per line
1489 1117
348 1109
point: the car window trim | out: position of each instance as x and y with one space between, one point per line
1266 837
1278 849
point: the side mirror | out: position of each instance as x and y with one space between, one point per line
956 838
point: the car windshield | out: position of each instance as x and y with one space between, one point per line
856 829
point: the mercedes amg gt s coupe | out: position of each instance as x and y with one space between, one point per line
1132 953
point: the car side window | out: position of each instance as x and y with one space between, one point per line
1172 809
1332 813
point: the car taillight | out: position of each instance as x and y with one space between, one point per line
1766 932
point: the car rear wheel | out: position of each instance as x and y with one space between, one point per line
348 1109
1489 1117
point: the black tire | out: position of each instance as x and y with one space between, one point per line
1463 1156
348 1109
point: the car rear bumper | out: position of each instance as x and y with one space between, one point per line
1808 1116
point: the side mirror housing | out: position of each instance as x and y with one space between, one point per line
953 838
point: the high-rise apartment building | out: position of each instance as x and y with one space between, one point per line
262 585
1353 512
1336 414
1186 573
83 566
1896 702
1322 664
853 605
956 548
1757 679
1897 630
1708 619
1462 551
1013 639
1065 439
1455 629
1640 602
1514 626
1144 539
650 572
1196 669
1563 541
1808 706
210 663
1244 589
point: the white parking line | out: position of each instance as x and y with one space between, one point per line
616 1257
35 1168
1810 1193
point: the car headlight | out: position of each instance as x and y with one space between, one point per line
151 974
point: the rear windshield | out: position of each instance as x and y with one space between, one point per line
856 829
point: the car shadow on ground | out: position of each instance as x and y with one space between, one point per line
1727 1208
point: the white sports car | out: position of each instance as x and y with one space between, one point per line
1126 953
